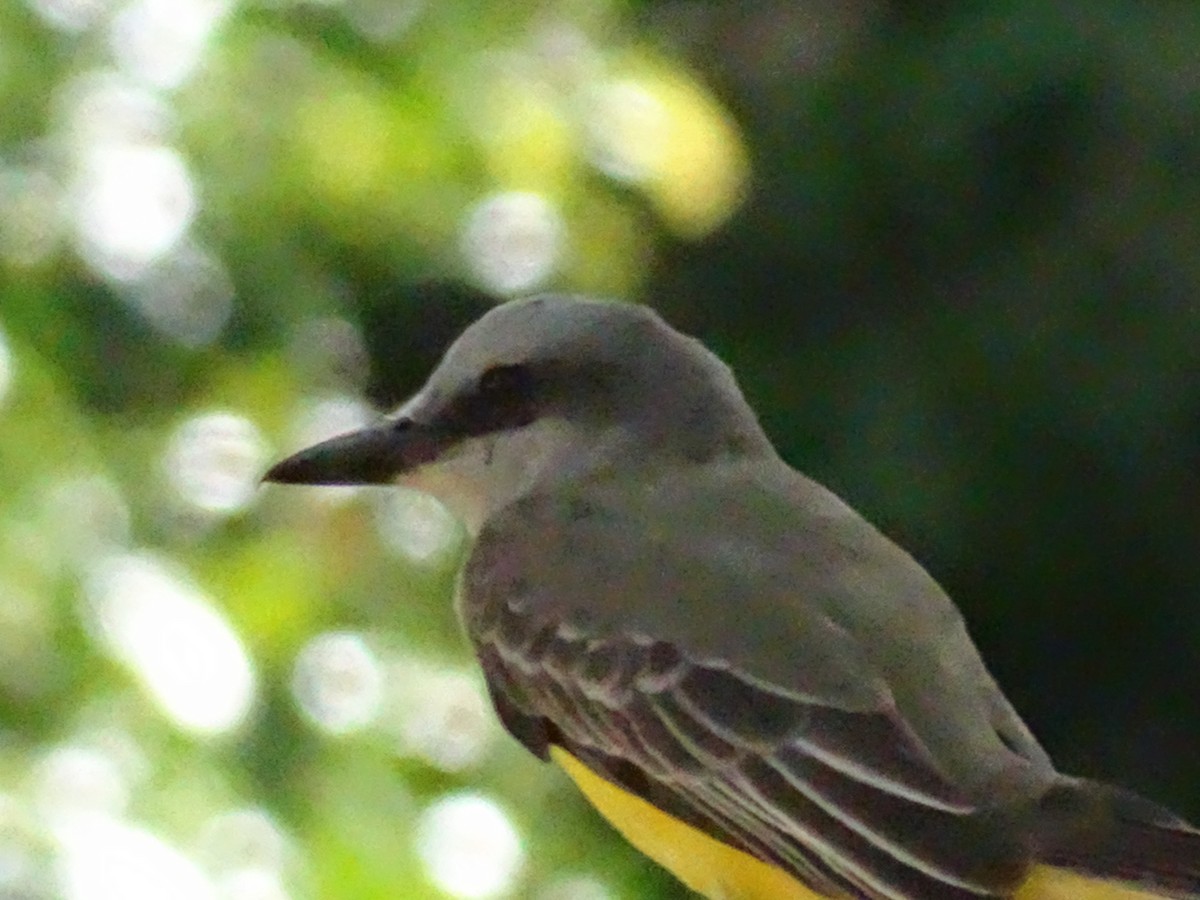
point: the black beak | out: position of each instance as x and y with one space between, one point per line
374 455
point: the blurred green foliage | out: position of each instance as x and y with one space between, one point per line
951 249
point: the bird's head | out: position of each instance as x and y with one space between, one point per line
537 389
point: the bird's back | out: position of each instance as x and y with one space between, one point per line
755 564
773 615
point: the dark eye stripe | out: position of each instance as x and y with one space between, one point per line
500 381
503 399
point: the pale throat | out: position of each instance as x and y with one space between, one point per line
485 474
464 497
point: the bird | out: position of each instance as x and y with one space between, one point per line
754 685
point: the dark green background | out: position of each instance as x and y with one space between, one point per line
962 289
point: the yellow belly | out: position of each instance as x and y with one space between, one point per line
720 872
1045 883
710 868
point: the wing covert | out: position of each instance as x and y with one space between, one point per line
849 802
810 767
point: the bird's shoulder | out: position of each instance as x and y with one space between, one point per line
666 635
727 565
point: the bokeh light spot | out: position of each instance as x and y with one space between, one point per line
329 417
382 21
161 41
72 780
576 887
26 860
664 131
103 107
71 16
245 853
175 642
88 515
8 367
252 884
338 682
186 295
243 839
133 204
439 714
214 461
415 525
103 859
470 847
513 241
628 130
522 127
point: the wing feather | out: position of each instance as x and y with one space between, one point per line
846 801
796 753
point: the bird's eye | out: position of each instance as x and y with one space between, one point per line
504 398
510 381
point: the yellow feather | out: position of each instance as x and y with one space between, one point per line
720 872
710 868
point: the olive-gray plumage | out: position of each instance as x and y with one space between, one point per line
652 588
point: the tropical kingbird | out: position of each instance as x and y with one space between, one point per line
747 679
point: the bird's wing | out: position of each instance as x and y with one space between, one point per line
588 637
